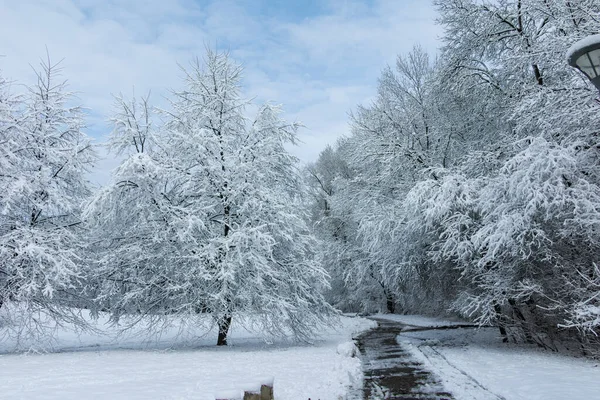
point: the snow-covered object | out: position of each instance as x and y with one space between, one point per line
580 45
347 349
245 386
266 381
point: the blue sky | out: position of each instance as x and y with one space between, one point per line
317 58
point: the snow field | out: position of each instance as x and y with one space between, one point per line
196 374
165 370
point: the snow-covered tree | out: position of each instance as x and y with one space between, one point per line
44 157
333 221
474 181
515 49
508 238
394 140
133 129
207 222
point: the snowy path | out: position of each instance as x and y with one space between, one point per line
390 371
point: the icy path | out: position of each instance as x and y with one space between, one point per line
390 371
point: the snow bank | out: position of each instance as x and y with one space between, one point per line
347 349
475 364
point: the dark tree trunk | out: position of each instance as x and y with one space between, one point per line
501 327
224 324
538 74
502 330
522 321
390 303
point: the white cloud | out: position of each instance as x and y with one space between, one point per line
318 67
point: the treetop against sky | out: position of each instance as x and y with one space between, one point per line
317 58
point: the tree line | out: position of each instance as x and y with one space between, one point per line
201 218
470 184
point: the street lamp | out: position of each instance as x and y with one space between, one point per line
585 56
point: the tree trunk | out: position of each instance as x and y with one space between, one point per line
501 327
224 324
538 74
390 302
522 322
502 330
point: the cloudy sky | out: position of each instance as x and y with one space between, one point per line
319 58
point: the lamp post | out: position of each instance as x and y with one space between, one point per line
584 55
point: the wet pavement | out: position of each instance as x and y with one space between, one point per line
390 372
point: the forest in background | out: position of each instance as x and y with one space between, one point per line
469 186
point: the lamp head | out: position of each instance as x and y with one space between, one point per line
585 56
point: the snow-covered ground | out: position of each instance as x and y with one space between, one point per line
475 364
177 367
